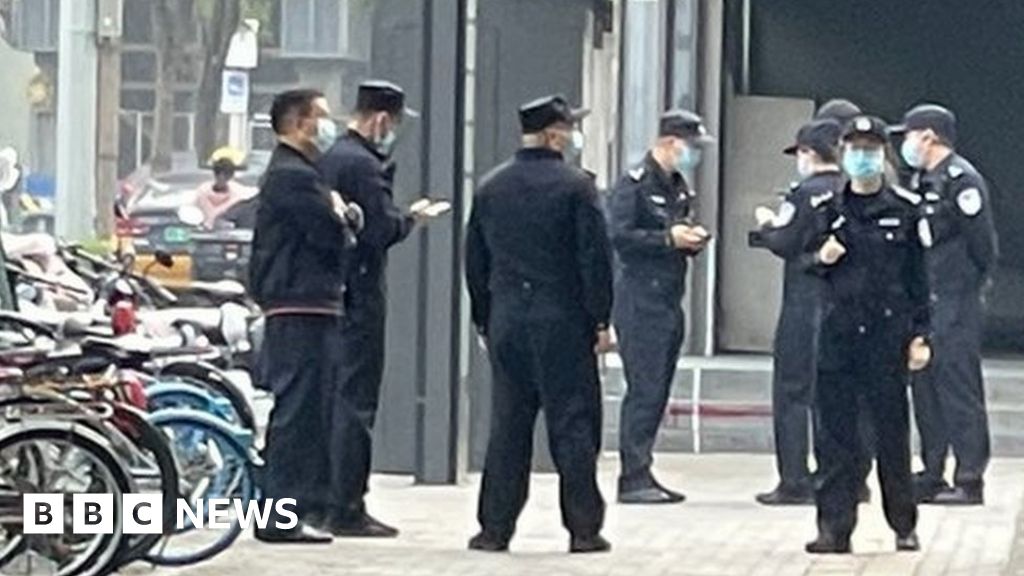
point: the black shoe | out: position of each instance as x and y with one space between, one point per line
676 495
651 496
302 533
484 542
927 487
959 496
908 543
828 545
785 497
365 526
589 544
864 495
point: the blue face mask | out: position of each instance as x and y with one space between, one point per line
911 152
689 158
326 134
386 144
863 163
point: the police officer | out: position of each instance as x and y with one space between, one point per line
359 166
961 250
296 276
786 233
538 269
874 323
653 235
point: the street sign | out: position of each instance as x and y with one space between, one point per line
234 95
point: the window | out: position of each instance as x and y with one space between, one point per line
314 28
36 25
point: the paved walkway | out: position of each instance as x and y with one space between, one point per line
719 532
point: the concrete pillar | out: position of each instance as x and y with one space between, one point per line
76 119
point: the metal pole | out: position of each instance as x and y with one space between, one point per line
76 119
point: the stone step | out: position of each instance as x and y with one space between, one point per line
734 400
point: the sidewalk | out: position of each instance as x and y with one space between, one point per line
719 531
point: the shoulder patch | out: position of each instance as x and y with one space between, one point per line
954 171
907 195
637 174
821 198
969 201
784 217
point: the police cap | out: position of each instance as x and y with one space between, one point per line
383 96
838 109
940 120
684 124
867 127
821 135
538 114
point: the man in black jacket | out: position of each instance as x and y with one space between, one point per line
359 166
296 276
539 275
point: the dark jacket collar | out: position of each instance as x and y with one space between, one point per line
362 141
538 154
285 150
667 181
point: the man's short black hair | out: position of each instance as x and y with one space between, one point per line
293 103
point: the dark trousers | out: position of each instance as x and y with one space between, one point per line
297 365
949 397
881 388
361 370
649 326
542 360
793 376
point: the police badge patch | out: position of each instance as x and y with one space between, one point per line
784 216
969 201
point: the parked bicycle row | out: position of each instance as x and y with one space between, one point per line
110 384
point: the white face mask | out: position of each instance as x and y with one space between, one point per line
574 147
326 134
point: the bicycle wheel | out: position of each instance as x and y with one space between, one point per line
153 468
210 377
214 462
148 459
66 458
182 393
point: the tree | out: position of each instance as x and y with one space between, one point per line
173 27
213 23
218 21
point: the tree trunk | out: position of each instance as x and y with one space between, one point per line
167 19
216 36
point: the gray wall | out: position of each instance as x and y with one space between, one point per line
750 281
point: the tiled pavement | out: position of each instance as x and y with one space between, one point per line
719 531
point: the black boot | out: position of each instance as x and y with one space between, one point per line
589 544
960 496
908 543
927 487
361 526
302 533
484 542
785 496
828 544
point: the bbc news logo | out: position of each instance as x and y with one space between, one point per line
142 513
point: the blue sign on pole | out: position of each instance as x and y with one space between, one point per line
234 97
